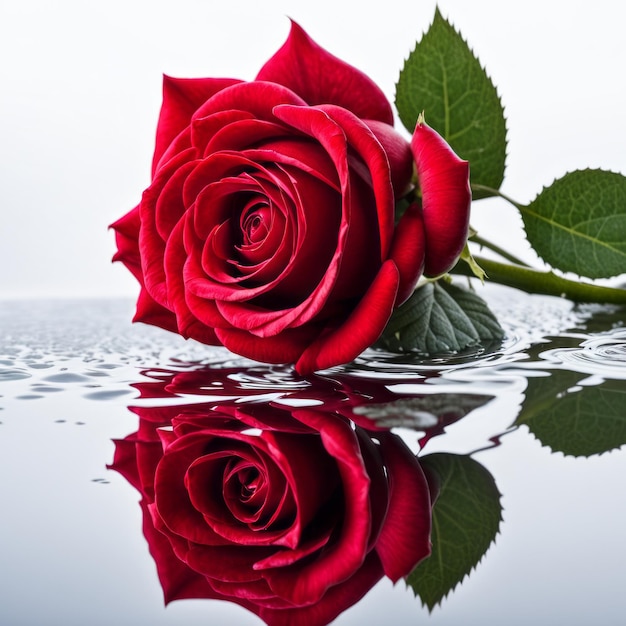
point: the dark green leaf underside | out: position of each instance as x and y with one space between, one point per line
440 318
443 78
466 519
418 411
578 224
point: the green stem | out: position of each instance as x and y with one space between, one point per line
548 283
495 192
485 243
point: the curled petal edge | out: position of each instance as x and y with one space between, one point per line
446 198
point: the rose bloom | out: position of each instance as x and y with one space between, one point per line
268 226
293 515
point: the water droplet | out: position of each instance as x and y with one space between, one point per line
107 394
66 377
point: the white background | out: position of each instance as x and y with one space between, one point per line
80 90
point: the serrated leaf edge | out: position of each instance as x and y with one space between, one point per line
466 575
546 187
566 455
451 24
471 569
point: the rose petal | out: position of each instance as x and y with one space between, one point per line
300 290
405 537
126 235
203 129
446 198
177 579
229 563
172 503
257 98
125 460
151 312
362 328
174 262
407 251
398 151
161 207
330 135
283 348
379 487
336 600
301 155
321 78
181 98
360 138
256 592
242 134
229 518
342 558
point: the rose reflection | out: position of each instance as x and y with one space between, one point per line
293 512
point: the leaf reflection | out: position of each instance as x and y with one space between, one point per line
570 416
466 518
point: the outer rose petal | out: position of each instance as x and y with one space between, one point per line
321 78
336 600
399 154
407 251
405 538
151 312
126 234
347 553
126 237
189 326
181 98
177 580
369 148
125 461
283 348
446 198
362 328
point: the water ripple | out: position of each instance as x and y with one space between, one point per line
10 373
602 355
68 344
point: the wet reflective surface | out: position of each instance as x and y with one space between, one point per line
544 415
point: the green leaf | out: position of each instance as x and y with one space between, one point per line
443 78
574 419
440 317
578 224
477 270
466 519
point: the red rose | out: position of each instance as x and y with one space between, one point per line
294 516
269 223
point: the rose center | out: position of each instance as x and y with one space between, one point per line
249 479
255 223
